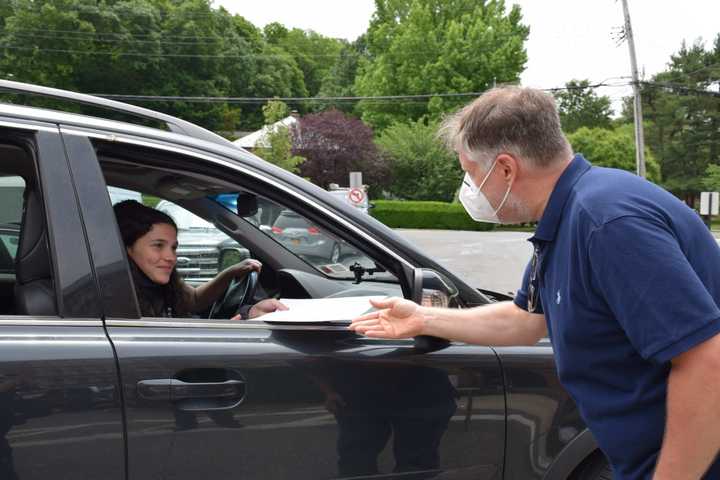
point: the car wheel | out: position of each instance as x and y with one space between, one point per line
595 467
335 254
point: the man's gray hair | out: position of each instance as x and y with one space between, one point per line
520 121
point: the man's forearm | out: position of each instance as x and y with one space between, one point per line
692 431
499 324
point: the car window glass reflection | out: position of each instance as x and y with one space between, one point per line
322 249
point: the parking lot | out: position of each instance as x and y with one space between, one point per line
489 260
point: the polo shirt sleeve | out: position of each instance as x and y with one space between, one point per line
651 288
521 296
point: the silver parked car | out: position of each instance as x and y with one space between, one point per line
305 239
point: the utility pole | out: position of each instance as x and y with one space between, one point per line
639 135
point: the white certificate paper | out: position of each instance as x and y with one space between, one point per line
319 310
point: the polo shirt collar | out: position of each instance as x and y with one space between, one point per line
548 225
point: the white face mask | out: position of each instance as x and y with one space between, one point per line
476 203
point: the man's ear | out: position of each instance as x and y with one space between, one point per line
508 166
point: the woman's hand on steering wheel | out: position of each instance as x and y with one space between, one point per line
268 305
243 268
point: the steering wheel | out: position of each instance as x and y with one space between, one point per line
239 292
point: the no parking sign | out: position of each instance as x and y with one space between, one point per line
356 196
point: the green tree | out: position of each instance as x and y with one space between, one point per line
279 139
613 148
340 78
437 46
313 53
579 106
421 166
684 117
148 47
711 182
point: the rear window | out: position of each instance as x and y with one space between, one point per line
12 189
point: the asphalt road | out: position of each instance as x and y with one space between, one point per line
490 260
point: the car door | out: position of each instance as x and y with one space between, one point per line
60 411
249 399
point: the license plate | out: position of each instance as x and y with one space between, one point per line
296 241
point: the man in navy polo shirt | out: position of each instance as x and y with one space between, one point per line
624 278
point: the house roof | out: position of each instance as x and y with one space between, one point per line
258 139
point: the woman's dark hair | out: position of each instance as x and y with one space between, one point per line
135 220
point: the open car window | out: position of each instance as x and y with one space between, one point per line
304 252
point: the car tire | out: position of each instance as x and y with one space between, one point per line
595 467
335 253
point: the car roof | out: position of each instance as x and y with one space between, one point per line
173 124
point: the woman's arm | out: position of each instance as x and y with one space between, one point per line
201 297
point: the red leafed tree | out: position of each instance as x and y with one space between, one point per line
333 145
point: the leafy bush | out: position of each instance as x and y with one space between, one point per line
422 168
429 215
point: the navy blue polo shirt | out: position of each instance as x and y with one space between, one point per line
629 277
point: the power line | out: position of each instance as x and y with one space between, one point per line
128 38
684 88
377 98
147 54
190 99
125 37
103 34
713 65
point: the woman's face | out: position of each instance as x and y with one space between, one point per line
154 252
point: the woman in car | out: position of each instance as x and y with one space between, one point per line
150 237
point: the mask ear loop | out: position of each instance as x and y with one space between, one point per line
487 175
507 194
502 204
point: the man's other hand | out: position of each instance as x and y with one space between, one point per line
395 318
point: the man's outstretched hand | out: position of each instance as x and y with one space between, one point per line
395 318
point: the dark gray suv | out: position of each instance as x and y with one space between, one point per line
91 389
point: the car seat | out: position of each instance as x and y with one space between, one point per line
34 290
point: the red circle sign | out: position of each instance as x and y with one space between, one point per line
356 195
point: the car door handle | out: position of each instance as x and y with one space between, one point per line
175 390
228 389
204 395
154 389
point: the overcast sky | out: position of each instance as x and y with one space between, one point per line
568 38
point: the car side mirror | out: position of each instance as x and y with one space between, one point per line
432 289
247 205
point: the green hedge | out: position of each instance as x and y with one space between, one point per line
150 201
429 215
